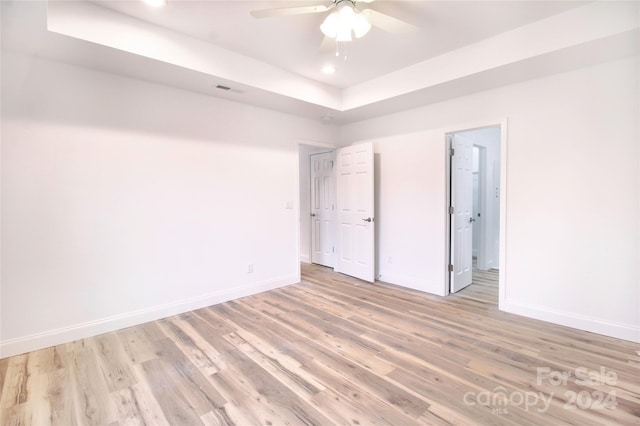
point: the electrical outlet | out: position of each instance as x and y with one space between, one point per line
250 268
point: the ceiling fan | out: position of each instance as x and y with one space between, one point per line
344 20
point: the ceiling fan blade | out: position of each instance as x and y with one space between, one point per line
388 23
327 45
287 11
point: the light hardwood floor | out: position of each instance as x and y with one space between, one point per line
331 350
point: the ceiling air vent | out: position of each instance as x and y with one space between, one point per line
221 87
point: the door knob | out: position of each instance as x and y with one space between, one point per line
313 215
471 220
367 219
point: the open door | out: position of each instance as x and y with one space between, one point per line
355 230
322 209
462 213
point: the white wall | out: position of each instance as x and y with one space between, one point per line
408 172
305 199
125 201
572 204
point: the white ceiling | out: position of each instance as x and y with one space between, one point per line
292 42
462 47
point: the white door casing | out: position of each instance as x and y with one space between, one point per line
462 218
355 218
322 209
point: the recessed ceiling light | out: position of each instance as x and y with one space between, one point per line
155 3
328 69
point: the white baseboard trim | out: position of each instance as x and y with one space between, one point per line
581 322
410 282
93 328
305 258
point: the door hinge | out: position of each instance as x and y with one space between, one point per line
451 210
331 164
452 152
450 268
333 249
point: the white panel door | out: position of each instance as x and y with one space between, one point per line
355 236
323 207
462 218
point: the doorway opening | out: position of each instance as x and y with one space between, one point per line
305 153
474 192
337 208
323 208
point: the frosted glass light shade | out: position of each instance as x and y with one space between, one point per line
330 25
360 25
340 23
346 14
344 34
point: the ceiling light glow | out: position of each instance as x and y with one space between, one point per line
343 21
156 3
328 69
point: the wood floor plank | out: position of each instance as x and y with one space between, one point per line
14 391
61 397
14 416
330 350
176 409
128 409
321 363
259 385
136 345
330 354
37 410
148 405
4 366
113 361
187 346
89 380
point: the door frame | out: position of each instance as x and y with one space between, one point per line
323 148
502 262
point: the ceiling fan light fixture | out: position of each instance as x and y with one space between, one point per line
346 13
344 20
330 25
344 34
360 25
